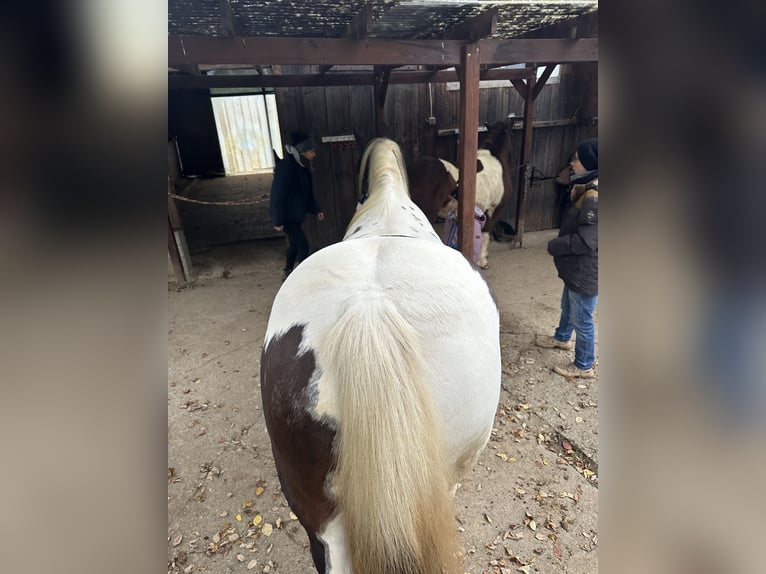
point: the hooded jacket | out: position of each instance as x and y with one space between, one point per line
575 250
292 193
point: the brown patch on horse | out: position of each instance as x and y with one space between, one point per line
302 446
430 185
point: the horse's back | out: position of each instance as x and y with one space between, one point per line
436 290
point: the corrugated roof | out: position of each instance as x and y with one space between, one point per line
408 19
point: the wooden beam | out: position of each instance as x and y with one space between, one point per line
473 29
382 76
526 154
198 49
184 82
228 22
176 225
361 24
543 51
521 87
540 83
469 143
191 69
175 258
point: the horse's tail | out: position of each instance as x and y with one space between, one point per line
392 478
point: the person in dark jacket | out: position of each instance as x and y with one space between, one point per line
292 197
575 254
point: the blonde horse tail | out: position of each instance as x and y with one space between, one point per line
392 477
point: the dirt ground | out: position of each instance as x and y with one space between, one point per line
529 505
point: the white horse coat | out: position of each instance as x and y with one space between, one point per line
392 263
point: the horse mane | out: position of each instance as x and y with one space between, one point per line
388 435
384 174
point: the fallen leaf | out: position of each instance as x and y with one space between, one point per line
293 517
240 557
259 490
579 419
539 536
252 564
567 446
247 504
588 473
217 538
257 520
524 569
189 569
267 529
177 540
239 518
532 525
488 519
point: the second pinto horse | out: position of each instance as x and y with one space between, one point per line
433 180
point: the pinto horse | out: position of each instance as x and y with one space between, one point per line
433 180
380 380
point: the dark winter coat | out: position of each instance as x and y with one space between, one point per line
575 250
292 193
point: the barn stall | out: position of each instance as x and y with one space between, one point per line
529 505
360 65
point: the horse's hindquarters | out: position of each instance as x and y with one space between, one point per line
449 317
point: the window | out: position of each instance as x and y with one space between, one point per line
248 132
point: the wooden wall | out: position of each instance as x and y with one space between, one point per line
334 111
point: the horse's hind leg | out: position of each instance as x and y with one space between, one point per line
317 553
483 262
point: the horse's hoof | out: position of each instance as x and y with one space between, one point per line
485 266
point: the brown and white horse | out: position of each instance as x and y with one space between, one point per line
432 181
380 380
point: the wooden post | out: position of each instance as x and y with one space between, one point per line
174 219
469 143
526 154
175 257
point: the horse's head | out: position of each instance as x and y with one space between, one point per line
498 140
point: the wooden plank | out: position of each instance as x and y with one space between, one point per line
475 28
542 79
469 142
199 49
341 161
188 82
526 152
175 257
521 88
542 51
382 76
360 25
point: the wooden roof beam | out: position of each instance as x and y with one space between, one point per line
358 29
198 49
228 21
474 29
361 24
185 82
540 84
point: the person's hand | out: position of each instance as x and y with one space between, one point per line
320 216
279 227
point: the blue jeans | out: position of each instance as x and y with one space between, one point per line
577 315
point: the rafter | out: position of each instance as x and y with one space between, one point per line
185 82
473 29
341 51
